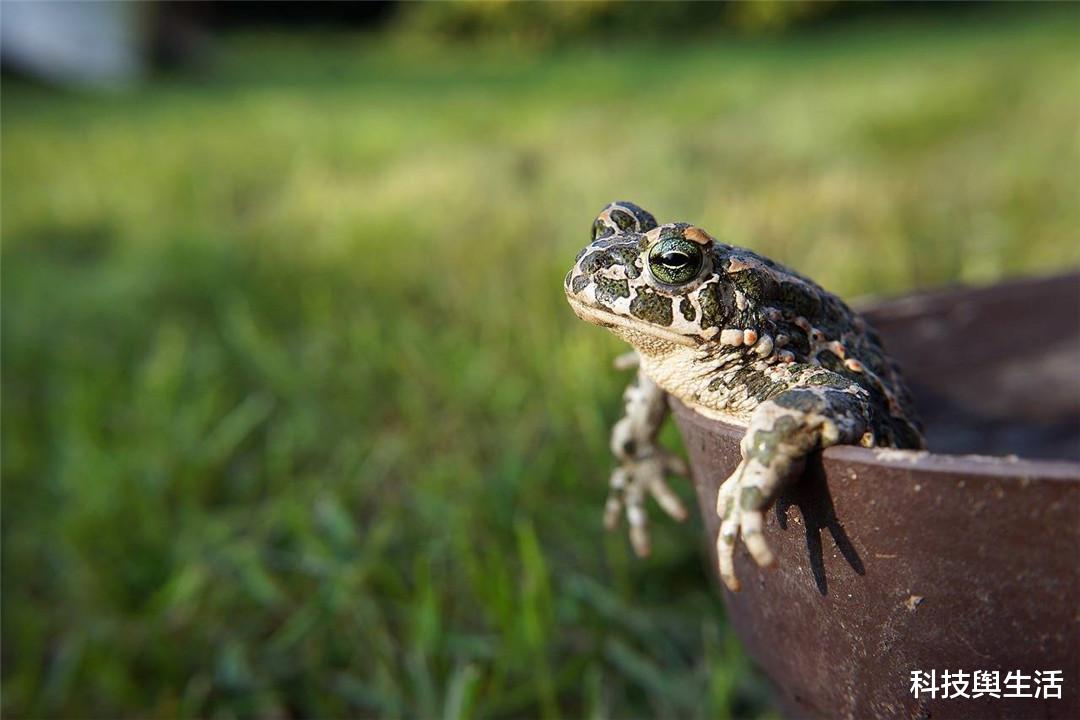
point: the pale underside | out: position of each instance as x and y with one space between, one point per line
681 367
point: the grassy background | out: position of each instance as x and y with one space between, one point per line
296 420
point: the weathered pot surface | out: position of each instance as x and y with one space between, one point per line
961 558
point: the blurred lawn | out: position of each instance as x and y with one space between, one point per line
296 420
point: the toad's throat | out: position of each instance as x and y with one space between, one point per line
599 316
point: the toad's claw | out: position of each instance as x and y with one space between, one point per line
780 434
630 483
752 523
741 506
643 465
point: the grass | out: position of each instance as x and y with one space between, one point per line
296 421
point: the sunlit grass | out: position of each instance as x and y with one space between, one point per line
296 421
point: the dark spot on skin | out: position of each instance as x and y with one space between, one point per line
600 229
829 380
687 310
609 290
757 384
579 283
627 256
802 400
751 283
594 262
629 447
644 218
795 298
827 402
624 220
828 359
845 404
649 306
712 309
767 442
611 252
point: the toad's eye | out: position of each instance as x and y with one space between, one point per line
675 261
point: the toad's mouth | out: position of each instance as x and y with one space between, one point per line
606 318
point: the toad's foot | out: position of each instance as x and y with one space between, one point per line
782 431
630 483
741 504
643 465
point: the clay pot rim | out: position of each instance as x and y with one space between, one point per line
921 461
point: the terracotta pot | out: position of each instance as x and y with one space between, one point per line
893 561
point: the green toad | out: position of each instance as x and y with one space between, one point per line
736 337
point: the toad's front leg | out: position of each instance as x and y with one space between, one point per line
643 465
781 432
